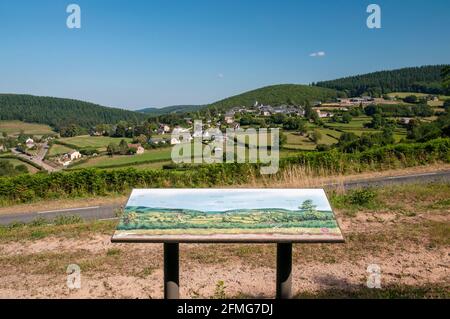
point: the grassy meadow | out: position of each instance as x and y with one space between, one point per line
15 127
99 142
105 161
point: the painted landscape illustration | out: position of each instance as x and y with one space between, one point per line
228 214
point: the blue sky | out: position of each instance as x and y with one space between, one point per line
135 54
227 199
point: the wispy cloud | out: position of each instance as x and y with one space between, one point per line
317 54
220 75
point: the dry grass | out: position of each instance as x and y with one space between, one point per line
411 249
304 177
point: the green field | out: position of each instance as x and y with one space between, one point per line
299 142
16 162
105 161
99 142
329 136
355 123
166 220
58 149
295 141
405 94
439 103
144 166
15 127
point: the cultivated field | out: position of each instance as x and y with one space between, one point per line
31 169
99 142
105 161
439 103
57 149
15 127
299 142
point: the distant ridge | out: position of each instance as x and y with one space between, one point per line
277 95
153 111
231 211
422 79
59 112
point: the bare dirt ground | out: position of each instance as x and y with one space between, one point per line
407 236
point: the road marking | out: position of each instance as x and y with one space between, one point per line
67 210
412 176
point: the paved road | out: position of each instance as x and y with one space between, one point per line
88 213
108 212
38 158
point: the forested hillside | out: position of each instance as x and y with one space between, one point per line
278 94
153 111
58 112
424 79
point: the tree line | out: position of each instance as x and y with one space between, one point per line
71 117
425 79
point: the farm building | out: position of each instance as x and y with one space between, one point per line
73 155
29 142
138 147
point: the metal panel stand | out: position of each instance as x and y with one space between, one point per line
171 271
284 271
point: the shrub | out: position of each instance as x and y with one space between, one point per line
67 220
362 197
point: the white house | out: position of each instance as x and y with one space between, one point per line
229 117
29 142
74 155
166 128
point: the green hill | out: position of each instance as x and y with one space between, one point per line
58 112
424 79
153 111
277 95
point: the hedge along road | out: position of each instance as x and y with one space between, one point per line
108 212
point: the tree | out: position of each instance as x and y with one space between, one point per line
121 129
447 105
123 147
112 149
411 99
377 121
426 79
294 123
316 136
308 206
347 137
283 139
278 118
346 118
445 74
141 139
70 131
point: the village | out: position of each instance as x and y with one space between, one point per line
315 125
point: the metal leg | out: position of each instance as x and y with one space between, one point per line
284 271
171 271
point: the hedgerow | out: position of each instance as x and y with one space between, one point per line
93 182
